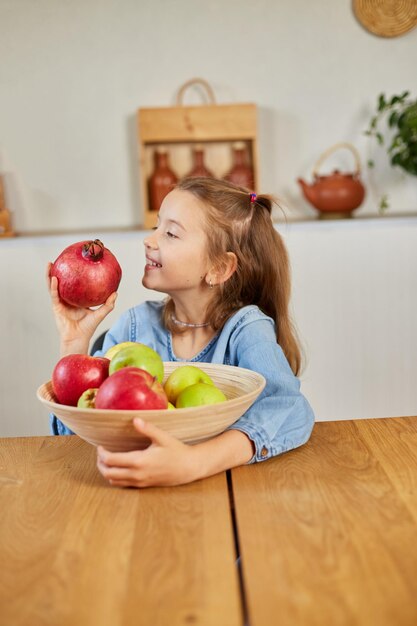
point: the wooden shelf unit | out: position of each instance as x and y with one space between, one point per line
216 127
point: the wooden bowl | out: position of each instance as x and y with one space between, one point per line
115 431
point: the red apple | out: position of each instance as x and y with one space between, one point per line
131 388
75 373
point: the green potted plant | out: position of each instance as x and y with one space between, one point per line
400 136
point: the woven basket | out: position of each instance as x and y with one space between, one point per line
115 431
386 18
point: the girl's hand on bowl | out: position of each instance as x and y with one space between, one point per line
166 462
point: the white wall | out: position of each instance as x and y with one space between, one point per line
354 301
72 75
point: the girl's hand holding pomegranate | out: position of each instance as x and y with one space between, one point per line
89 275
75 325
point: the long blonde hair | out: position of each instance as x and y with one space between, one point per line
236 224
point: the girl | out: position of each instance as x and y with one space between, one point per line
225 269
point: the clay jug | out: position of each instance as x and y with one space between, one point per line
199 168
5 220
335 195
241 173
162 179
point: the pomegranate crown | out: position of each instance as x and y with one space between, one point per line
93 250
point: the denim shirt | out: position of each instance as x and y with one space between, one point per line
279 420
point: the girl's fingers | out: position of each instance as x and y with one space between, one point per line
105 309
117 459
115 473
111 299
53 290
120 476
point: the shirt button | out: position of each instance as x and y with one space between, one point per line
264 451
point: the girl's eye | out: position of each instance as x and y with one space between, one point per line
171 235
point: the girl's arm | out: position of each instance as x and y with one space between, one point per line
168 461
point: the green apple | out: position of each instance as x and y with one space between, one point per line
118 346
171 406
87 400
183 377
140 356
198 395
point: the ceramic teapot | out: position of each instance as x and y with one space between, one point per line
335 195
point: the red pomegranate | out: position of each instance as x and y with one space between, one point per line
87 273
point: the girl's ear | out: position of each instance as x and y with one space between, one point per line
223 270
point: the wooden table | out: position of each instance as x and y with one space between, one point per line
327 535
77 552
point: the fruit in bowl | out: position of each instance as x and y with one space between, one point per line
123 386
114 429
131 388
138 355
181 378
87 400
200 394
75 373
111 352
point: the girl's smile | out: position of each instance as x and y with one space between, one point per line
151 264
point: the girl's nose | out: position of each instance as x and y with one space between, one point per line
150 242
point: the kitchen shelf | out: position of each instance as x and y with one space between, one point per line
298 223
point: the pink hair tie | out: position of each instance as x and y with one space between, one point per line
253 197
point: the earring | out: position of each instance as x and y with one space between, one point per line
210 284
